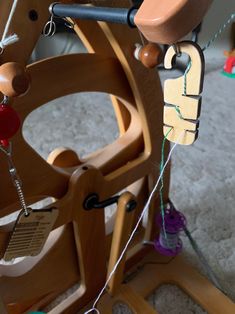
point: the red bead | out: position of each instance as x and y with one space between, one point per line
9 122
4 143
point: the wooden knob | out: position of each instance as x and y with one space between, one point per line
150 55
14 80
64 157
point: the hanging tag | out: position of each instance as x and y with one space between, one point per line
30 233
182 95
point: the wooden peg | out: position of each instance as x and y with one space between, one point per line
182 96
64 157
150 55
14 79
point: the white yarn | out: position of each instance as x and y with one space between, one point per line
11 39
8 41
134 230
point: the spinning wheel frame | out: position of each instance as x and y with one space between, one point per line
117 176
138 151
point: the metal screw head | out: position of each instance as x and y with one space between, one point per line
131 205
90 201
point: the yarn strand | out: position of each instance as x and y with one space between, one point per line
10 39
162 183
134 230
220 31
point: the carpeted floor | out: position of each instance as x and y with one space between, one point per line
203 177
203 187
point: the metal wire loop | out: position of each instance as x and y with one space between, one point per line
177 50
5 100
49 28
7 150
15 177
68 23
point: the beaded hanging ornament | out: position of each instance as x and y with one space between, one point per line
32 227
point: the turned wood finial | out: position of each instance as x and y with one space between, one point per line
14 79
150 55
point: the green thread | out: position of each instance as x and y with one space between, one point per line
220 31
163 150
162 183
185 77
177 108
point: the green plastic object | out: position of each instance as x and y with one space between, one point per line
37 313
231 75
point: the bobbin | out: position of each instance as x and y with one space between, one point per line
171 223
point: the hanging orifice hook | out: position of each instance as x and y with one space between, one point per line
50 27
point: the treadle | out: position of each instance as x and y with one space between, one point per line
167 271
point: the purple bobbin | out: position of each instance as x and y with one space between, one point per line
168 243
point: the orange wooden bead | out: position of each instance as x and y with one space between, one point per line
150 55
14 79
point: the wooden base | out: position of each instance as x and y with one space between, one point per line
156 270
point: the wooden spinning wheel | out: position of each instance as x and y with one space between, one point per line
78 250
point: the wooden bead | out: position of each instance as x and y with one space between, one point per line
150 55
14 79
